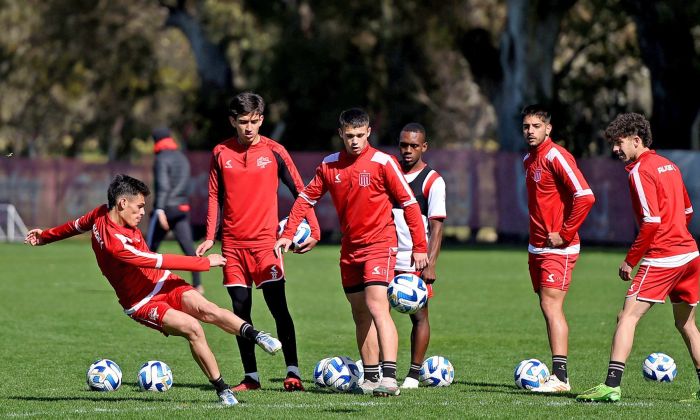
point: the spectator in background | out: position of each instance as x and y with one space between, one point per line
171 208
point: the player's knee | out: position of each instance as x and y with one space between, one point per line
685 327
192 330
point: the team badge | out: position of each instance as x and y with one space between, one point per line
364 179
537 175
263 161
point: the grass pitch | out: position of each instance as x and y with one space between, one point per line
58 314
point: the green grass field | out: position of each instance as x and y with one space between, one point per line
58 314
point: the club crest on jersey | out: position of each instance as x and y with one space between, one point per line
364 178
263 161
537 175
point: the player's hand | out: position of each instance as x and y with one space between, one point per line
420 260
306 246
162 219
216 260
282 245
625 271
428 274
33 237
204 247
554 240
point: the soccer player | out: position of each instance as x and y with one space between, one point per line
147 290
362 182
669 266
429 189
243 180
171 208
558 199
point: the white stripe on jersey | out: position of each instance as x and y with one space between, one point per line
124 240
383 158
556 154
634 173
307 199
76 225
672 261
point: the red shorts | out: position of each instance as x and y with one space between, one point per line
551 270
680 284
247 266
417 273
168 297
367 267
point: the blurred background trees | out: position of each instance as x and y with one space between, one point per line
92 78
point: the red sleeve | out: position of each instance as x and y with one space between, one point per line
291 178
123 250
402 194
564 166
75 227
688 206
645 202
213 202
304 203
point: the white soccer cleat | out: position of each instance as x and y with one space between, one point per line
553 386
268 343
227 398
409 383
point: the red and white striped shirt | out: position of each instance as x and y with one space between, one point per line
558 197
663 210
135 273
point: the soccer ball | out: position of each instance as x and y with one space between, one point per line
531 374
302 234
104 375
319 371
155 376
407 293
436 371
361 369
659 367
341 374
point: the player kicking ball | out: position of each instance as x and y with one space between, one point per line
149 293
668 253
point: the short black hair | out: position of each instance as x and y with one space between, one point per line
539 110
353 117
125 185
246 103
629 124
414 127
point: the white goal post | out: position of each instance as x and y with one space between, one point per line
12 228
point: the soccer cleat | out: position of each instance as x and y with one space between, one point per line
409 383
600 393
553 385
268 343
366 387
387 388
292 383
227 398
695 398
247 384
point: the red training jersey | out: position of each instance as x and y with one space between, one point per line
361 188
558 197
244 181
663 210
135 273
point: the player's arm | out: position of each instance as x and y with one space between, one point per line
644 193
582 197
163 187
688 207
434 245
38 237
122 249
212 206
437 211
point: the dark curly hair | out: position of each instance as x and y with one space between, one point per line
629 124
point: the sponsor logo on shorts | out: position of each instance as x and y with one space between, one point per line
274 273
550 278
379 270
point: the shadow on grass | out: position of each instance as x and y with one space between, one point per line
502 388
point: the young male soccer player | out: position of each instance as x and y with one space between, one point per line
429 189
669 267
243 179
147 290
362 181
558 199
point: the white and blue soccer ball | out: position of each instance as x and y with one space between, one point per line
104 375
531 374
319 370
436 371
341 374
300 236
407 293
659 367
155 376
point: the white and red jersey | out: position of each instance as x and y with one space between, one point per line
135 273
663 210
243 180
429 189
362 188
558 197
